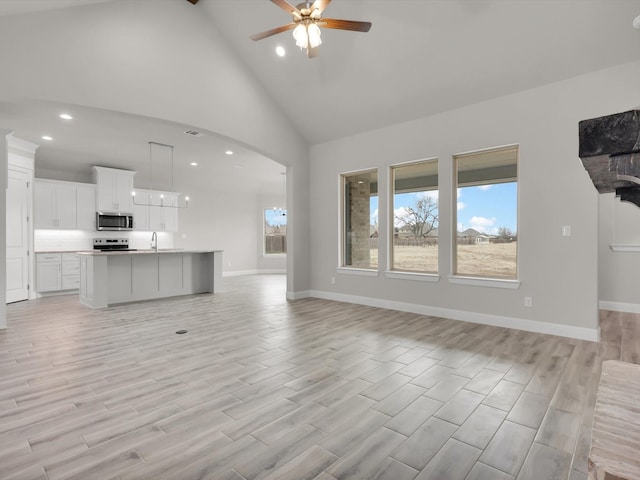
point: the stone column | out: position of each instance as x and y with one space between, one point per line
358 253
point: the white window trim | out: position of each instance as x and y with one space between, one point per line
361 272
264 237
481 281
391 228
414 276
618 247
484 282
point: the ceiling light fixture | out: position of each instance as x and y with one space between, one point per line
66 116
280 51
307 32
47 138
194 164
149 201
229 152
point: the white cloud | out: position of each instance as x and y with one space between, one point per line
485 187
459 192
461 205
483 224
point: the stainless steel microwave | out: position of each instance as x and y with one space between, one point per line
114 221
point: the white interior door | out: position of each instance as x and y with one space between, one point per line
17 237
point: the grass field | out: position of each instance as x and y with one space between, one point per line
485 260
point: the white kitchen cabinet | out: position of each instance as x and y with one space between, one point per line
163 214
86 206
55 204
159 212
48 272
114 189
57 272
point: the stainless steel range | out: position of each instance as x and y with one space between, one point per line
112 244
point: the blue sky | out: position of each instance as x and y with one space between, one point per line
484 208
272 218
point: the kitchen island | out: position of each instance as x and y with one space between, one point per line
109 278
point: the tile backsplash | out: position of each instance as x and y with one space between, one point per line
74 240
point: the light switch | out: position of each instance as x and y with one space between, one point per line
566 231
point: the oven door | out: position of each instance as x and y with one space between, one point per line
114 221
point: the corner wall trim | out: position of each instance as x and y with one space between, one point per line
619 306
580 333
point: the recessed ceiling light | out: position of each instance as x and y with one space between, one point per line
636 22
239 165
280 51
229 152
66 116
47 137
194 164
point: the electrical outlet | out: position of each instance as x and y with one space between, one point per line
566 231
528 302
333 280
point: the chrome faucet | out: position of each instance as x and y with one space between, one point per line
154 238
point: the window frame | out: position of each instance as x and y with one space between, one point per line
342 227
264 235
482 280
399 273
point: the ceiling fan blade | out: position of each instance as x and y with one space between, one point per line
286 6
345 24
319 4
193 2
273 31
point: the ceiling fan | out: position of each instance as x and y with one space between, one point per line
307 20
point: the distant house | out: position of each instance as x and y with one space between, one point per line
471 236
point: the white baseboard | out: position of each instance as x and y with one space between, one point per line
299 295
580 333
237 273
619 306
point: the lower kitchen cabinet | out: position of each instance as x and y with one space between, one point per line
57 272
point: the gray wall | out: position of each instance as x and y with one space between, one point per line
560 273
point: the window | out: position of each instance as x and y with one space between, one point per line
415 217
360 220
487 213
275 231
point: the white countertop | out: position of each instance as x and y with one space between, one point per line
144 252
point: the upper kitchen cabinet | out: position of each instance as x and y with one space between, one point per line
114 189
54 204
64 205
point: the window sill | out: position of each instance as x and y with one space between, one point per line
274 255
485 282
362 272
624 248
420 277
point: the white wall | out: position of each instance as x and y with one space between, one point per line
561 274
161 59
618 280
223 221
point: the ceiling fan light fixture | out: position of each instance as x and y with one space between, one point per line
300 34
313 32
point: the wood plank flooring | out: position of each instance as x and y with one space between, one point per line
262 388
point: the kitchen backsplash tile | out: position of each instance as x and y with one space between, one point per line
74 240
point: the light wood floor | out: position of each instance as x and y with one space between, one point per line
264 388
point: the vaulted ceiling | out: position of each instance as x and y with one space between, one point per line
421 57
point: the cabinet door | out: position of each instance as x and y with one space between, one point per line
104 196
44 205
171 214
66 206
48 276
86 203
123 185
141 217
